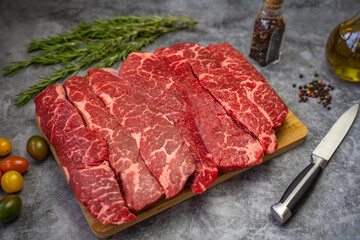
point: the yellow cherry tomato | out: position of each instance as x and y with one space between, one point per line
5 146
12 181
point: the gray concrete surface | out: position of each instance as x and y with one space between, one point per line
237 208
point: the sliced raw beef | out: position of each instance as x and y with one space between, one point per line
98 190
139 187
84 157
232 147
57 117
257 89
148 74
160 143
48 104
218 80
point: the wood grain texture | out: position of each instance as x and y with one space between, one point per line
291 134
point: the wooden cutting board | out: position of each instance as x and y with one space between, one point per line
291 134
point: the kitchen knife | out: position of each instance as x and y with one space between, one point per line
302 184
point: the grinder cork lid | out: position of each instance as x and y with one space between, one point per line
274 4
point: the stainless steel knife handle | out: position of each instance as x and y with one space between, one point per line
297 191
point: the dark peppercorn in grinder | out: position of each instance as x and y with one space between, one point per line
268 30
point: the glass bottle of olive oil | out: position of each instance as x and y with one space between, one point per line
343 49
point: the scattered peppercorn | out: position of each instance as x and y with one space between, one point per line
294 85
316 89
316 75
301 76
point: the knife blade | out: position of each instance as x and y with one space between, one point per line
302 184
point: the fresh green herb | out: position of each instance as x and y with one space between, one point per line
99 44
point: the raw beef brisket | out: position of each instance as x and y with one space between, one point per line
160 143
146 73
125 138
84 157
232 147
223 85
139 186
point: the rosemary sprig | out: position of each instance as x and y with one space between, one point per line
100 43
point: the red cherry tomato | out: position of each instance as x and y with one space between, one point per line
15 163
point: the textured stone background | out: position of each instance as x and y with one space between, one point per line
237 208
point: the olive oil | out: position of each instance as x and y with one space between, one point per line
343 49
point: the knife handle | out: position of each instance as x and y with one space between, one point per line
297 191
